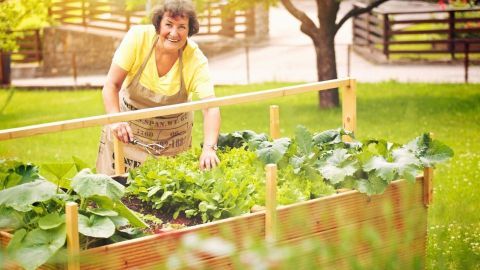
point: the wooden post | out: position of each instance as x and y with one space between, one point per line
451 33
274 122
127 20
466 44
38 46
427 186
119 162
74 68
386 37
84 15
271 203
73 245
247 62
349 108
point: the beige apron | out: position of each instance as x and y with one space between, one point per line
171 131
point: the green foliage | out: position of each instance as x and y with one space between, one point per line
307 164
35 208
13 172
19 15
33 248
368 167
176 185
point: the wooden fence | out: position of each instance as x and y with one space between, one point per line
113 15
449 31
29 46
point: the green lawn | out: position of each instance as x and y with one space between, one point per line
393 111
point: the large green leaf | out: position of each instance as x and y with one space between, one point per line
13 172
381 167
404 163
50 221
303 138
102 212
408 165
255 140
59 170
37 246
429 151
22 197
79 163
86 184
121 209
272 152
327 136
96 226
10 219
437 152
374 185
337 166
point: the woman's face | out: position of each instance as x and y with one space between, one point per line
173 32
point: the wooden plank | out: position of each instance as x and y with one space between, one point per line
368 236
415 32
346 208
271 203
119 156
349 108
436 21
427 186
14 133
274 122
73 244
157 248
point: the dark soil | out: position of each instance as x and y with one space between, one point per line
146 208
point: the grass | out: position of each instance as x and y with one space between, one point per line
393 111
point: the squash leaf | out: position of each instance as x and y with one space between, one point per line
337 166
37 246
51 221
303 139
86 184
22 197
10 219
272 152
96 226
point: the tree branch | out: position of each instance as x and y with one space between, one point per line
357 11
307 24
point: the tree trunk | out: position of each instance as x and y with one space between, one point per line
326 70
325 49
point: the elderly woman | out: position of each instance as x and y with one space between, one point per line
158 65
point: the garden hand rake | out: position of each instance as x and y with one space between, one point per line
153 149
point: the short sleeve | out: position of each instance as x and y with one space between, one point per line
202 84
125 54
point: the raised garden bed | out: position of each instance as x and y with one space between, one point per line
340 230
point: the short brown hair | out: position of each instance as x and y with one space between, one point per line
183 8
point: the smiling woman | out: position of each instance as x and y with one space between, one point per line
158 65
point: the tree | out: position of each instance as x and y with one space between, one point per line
18 15
323 39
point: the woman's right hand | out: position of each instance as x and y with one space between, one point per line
122 131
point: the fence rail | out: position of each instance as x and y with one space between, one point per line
29 46
434 31
111 15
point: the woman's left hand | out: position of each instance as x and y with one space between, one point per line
208 159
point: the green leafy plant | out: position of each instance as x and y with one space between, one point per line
34 208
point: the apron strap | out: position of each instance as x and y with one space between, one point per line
136 78
182 81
